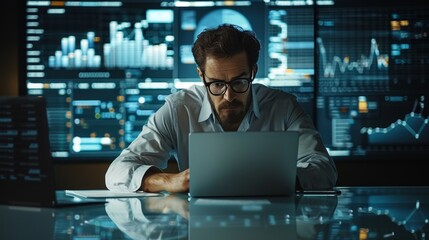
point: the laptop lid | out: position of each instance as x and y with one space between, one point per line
27 168
228 164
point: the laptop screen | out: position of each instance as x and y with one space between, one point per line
26 172
232 164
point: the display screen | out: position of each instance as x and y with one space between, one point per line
373 80
358 69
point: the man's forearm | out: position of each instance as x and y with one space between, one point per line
170 182
155 182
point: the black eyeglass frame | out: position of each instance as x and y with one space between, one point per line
230 83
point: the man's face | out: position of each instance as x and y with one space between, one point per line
230 107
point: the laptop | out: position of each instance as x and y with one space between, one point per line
27 167
242 164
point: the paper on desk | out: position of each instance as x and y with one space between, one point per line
104 193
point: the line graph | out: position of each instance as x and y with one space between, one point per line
414 128
413 221
343 64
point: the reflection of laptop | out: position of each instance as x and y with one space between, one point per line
27 168
224 164
241 218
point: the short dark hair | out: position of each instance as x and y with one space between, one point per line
224 41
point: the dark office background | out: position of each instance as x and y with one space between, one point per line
406 171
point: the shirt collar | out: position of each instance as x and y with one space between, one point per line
207 111
206 108
255 101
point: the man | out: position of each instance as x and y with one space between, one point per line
226 59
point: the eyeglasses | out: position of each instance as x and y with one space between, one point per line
218 88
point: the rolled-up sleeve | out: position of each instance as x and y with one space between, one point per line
150 149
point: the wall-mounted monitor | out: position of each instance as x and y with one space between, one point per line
373 84
357 68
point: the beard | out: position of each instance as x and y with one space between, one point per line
231 114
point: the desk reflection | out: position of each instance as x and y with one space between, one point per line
242 219
359 213
313 214
177 217
150 218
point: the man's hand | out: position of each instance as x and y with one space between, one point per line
170 182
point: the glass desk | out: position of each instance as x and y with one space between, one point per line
357 213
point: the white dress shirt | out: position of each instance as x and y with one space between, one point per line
189 110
